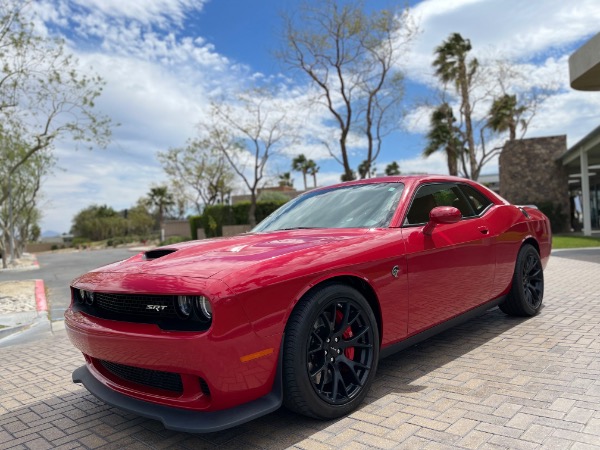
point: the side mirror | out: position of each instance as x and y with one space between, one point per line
441 215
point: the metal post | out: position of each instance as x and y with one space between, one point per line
585 192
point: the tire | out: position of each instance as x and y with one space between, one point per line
331 352
527 290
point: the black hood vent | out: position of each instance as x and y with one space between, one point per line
159 253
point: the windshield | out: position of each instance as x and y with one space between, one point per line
356 206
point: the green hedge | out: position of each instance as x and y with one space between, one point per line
215 216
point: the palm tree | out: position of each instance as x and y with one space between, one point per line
452 66
285 179
392 169
505 115
365 169
299 165
312 169
443 135
162 200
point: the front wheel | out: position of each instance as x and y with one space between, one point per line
527 291
331 352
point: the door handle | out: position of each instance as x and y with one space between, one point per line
483 230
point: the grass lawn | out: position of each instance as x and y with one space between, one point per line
575 241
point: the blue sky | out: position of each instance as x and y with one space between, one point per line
162 61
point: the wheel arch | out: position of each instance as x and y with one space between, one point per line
356 282
531 241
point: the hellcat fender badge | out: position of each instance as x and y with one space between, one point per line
395 271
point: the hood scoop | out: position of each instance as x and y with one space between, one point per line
159 253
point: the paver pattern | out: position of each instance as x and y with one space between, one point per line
493 382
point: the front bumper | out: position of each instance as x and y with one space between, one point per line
180 419
224 367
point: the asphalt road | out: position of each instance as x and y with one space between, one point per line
59 269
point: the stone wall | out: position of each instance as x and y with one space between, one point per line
177 228
531 173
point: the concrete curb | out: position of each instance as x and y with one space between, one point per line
41 306
558 250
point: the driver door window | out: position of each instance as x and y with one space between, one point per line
432 195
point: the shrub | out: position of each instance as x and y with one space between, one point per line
174 240
215 216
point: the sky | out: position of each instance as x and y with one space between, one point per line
163 61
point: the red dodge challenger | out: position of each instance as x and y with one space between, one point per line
209 334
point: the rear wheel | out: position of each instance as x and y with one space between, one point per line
331 352
527 291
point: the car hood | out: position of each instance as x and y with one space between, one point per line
207 258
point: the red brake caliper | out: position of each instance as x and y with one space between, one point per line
347 334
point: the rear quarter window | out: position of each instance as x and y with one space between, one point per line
478 201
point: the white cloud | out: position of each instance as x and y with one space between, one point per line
160 79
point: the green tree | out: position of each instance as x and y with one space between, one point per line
392 169
140 221
98 222
43 96
495 99
285 179
198 173
365 170
19 214
506 115
351 59
313 169
453 65
300 164
443 135
160 200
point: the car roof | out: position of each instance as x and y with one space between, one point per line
412 180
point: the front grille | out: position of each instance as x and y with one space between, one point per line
139 308
163 306
167 381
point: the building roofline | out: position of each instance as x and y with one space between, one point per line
568 155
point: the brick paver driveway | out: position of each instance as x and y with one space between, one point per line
494 382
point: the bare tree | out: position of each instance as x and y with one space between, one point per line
247 132
351 57
198 172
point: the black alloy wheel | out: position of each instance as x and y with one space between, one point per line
527 291
331 352
533 280
340 352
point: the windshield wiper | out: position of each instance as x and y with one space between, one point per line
296 228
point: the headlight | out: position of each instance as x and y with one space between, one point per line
85 297
184 305
203 307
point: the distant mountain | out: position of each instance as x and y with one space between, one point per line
50 233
